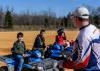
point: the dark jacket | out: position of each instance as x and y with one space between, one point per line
39 42
18 48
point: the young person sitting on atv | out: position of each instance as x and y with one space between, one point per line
57 48
18 50
61 37
39 41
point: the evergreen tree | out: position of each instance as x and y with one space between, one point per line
8 20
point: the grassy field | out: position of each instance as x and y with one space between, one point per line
7 39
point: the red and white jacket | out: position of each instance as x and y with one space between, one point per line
86 52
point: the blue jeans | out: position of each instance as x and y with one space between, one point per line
19 62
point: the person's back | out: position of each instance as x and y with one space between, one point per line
88 43
92 52
39 41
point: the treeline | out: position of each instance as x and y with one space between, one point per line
47 19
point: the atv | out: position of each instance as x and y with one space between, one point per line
58 53
32 63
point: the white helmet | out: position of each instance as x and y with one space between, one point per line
82 12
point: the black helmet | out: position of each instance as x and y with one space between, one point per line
20 33
61 30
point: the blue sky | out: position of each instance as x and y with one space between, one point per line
60 7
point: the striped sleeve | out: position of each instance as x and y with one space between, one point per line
84 51
83 54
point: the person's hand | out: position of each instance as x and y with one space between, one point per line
46 47
64 34
67 44
24 55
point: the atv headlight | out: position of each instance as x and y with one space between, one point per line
40 68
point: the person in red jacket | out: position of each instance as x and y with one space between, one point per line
61 37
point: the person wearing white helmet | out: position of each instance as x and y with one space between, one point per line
86 49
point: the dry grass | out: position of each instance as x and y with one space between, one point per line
7 39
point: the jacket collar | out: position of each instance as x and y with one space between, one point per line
84 27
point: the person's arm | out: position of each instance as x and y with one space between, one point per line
24 46
82 51
13 48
